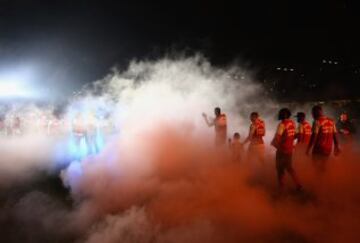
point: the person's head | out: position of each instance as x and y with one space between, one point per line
236 136
284 113
344 117
300 117
254 116
317 111
217 111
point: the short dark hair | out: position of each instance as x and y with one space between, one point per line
284 113
316 110
254 114
236 135
301 115
217 109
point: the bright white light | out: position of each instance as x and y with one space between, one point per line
17 83
10 89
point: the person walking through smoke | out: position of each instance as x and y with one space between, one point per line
236 148
302 136
256 150
324 135
284 143
303 131
220 124
15 128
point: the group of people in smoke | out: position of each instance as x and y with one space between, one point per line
319 139
14 126
84 132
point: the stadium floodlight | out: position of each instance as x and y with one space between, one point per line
16 85
11 90
15 90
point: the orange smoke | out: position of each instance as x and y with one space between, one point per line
190 191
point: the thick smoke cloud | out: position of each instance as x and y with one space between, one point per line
160 179
22 158
29 148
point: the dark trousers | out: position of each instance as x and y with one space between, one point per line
320 161
284 163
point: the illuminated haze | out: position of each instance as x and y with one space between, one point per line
159 179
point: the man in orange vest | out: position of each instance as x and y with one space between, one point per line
284 144
220 124
303 132
256 148
324 135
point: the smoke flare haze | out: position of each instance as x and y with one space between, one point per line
159 177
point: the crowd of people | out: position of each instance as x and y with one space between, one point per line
82 133
15 126
319 140
79 123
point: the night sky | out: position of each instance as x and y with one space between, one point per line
75 42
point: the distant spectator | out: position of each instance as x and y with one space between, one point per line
345 127
16 128
3 131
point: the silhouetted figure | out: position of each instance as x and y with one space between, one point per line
220 124
284 143
236 148
346 128
256 150
303 131
323 137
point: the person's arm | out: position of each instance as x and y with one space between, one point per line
251 133
339 126
311 142
277 138
209 123
315 130
336 142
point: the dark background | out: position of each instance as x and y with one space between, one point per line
289 44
